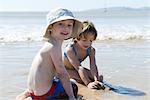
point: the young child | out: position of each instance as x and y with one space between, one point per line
78 51
48 77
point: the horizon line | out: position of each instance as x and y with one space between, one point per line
80 10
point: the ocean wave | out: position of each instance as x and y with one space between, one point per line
117 32
101 37
19 39
123 37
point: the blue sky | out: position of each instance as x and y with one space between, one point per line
74 5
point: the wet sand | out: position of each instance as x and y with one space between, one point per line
121 63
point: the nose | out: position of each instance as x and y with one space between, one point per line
88 43
65 27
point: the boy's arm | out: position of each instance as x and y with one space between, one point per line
56 55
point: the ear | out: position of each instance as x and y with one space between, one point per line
50 28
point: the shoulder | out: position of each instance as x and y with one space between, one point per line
49 47
48 44
70 50
92 50
69 47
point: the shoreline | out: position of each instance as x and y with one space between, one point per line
121 63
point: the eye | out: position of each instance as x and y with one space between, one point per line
70 25
60 24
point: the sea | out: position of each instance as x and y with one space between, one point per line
122 51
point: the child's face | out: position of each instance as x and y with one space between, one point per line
86 42
63 29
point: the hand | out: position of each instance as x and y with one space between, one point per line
101 85
24 96
100 78
93 85
96 85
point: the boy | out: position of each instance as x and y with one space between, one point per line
47 67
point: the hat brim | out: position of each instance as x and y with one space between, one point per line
76 29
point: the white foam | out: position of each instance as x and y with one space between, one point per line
106 32
124 32
19 33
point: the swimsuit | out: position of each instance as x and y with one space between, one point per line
55 92
88 50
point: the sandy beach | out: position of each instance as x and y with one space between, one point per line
122 63
122 52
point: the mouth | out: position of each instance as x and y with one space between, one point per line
64 33
85 46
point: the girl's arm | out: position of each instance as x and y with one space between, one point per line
93 66
77 65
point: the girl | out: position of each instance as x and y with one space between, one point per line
78 51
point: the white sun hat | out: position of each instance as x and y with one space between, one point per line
61 14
